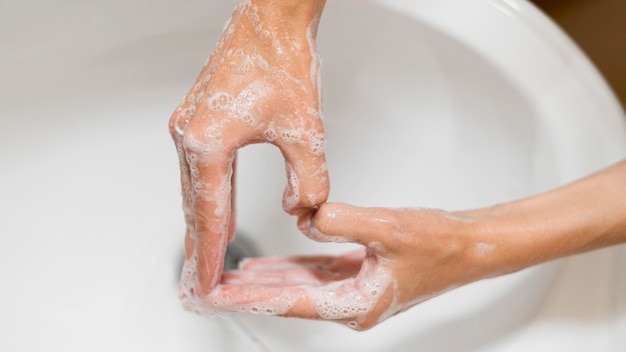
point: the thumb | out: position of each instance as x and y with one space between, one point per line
339 222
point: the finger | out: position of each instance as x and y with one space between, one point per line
307 173
322 261
211 180
356 301
338 222
272 300
285 275
185 180
347 301
232 223
178 122
212 210
289 270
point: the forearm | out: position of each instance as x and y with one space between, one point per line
582 216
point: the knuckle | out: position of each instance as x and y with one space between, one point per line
396 221
193 140
172 121
315 196
180 119
324 217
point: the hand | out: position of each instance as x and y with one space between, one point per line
260 85
409 256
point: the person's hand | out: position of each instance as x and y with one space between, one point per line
260 85
409 255
412 255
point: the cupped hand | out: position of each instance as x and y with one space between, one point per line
260 85
409 256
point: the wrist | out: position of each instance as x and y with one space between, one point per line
300 10
547 226
582 216
496 243
281 32
282 17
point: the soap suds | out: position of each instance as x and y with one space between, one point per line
260 100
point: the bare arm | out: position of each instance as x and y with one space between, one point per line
579 217
261 85
412 255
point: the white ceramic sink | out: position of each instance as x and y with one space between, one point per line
434 103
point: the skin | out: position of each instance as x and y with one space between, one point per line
260 85
426 252
409 255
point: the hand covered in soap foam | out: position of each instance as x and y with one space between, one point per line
410 255
260 85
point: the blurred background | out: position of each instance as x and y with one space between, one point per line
599 29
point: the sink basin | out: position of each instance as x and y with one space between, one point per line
424 106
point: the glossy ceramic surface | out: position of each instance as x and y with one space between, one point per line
446 104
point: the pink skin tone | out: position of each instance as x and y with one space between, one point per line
260 85
411 255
